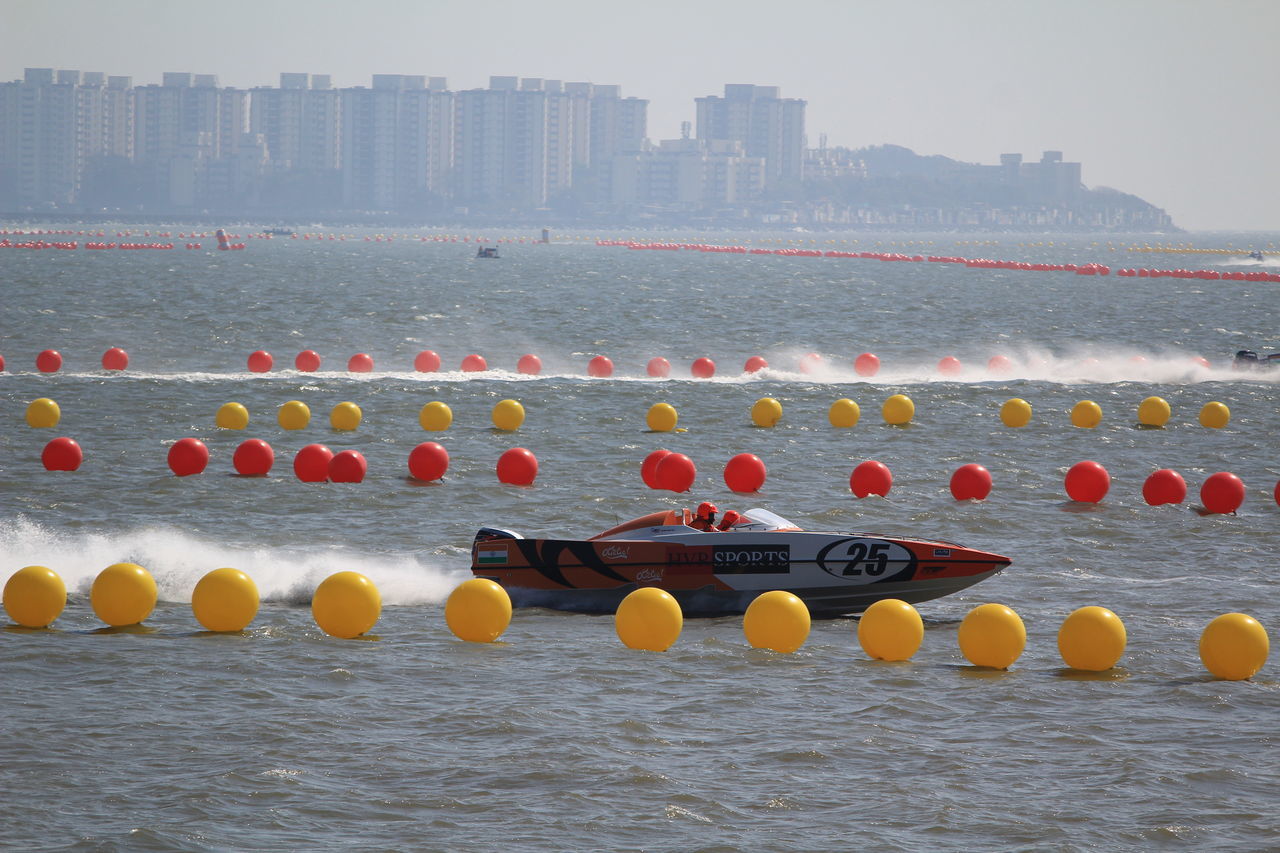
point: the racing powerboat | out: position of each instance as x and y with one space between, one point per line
1247 359
719 571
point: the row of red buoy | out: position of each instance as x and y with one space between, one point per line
1085 482
1204 275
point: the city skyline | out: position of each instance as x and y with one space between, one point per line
1158 98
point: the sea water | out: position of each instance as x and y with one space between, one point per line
165 737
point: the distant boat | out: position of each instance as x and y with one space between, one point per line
487 252
1257 255
278 232
1247 359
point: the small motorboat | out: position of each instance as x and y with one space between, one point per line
1247 359
487 252
722 569
1256 255
278 232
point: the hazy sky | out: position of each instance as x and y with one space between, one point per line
1173 100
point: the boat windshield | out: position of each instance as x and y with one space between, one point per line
763 519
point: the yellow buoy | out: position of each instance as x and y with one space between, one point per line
34 596
43 413
662 417
776 620
345 416
508 415
898 410
992 635
232 416
294 414
1091 639
123 594
1154 412
478 611
346 605
1215 415
648 618
1086 414
435 416
1234 646
1015 413
225 600
766 412
890 629
844 413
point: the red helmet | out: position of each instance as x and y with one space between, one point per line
706 509
729 519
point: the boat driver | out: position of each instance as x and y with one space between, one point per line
729 519
705 517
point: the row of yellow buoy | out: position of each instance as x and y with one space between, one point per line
1191 250
1234 646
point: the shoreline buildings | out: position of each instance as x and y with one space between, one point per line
75 142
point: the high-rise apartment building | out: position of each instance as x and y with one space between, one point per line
500 144
766 124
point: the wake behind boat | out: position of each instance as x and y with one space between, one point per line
715 569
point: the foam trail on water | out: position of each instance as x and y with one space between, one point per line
177 560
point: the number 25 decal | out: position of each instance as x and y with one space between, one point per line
863 558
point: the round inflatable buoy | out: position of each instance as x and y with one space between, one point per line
745 473
844 414
810 363
871 478
1154 412
115 359
529 364
435 417
1234 646
49 361
703 368
890 629
231 416
898 410
1222 493
600 367
311 463
307 361
294 414
1087 482
950 366
1091 639
662 417
1015 413
253 458
999 364
43 413
971 482
1215 415
478 611
349 466
649 468
1086 414
754 364
346 605
427 361
649 619
992 635
766 412
675 472
34 596
62 454
517 467
345 416
1165 486
360 363
428 461
225 600
123 594
188 456
777 620
474 364
260 361
866 364
658 367
508 415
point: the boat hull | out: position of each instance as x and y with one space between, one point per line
715 573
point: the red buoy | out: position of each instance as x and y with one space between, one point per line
600 367
428 461
755 364
703 368
866 364
517 467
115 359
260 361
999 364
253 458
658 367
426 361
971 482
62 454
188 456
649 468
1222 493
676 472
311 463
474 364
949 366
745 473
360 363
349 466
49 361
307 361
1165 486
871 478
810 363
529 364
1087 482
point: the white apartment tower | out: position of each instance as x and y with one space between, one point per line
766 124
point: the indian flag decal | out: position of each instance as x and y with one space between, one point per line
492 557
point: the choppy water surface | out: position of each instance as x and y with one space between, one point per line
559 737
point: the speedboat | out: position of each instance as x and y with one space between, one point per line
1256 255
1247 359
718 571
487 252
